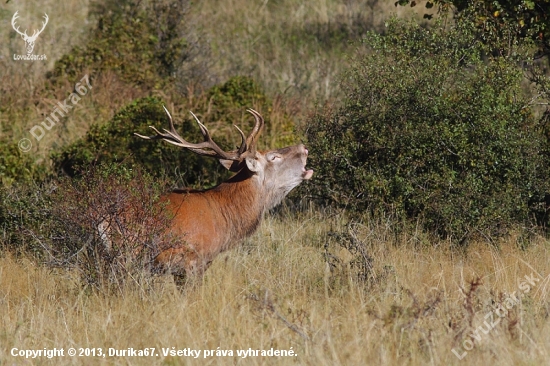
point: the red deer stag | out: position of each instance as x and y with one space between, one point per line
209 222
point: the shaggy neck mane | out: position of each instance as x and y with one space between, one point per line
242 203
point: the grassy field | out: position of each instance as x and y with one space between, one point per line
417 302
333 290
297 48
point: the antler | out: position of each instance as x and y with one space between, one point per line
35 33
209 147
251 141
13 19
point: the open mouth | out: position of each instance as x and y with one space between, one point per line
307 174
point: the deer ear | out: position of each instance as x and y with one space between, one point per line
226 163
253 164
232 166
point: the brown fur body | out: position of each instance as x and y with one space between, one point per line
206 223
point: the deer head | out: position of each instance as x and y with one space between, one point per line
29 40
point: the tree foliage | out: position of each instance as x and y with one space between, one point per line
432 130
527 19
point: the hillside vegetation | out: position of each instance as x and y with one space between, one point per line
421 239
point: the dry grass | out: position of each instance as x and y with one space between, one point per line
22 81
277 291
25 97
293 47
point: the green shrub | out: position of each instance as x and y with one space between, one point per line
499 20
17 166
431 130
115 142
142 42
229 101
235 95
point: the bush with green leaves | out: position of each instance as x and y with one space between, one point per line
432 129
144 43
17 166
499 19
115 142
228 102
234 96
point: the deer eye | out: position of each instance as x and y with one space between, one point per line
273 157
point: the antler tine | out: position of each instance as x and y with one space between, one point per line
216 148
161 136
170 121
13 19
173 133
242 148
203 128
174 138
170 136
44 23
208 147
258 127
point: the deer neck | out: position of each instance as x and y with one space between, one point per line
242 203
